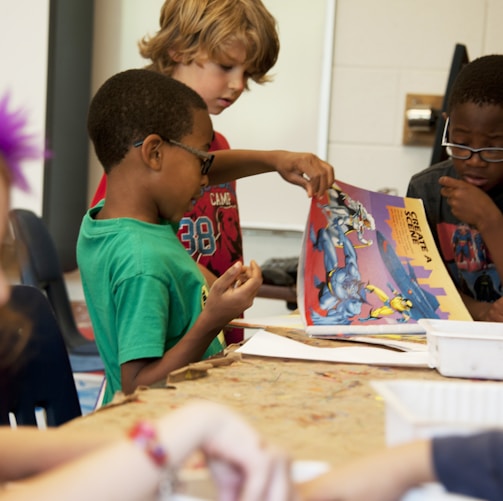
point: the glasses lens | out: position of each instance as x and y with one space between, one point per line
464 153
458 152
492 155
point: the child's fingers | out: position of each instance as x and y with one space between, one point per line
254 270
253 273
451 182
228 278
238 275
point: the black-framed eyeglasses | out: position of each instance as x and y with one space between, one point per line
461 152
205 157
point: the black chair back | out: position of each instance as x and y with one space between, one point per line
41 378
40 267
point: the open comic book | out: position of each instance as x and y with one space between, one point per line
369 264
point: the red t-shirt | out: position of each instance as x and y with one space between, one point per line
100 191
211 231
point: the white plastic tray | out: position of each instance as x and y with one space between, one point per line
465 349
423 409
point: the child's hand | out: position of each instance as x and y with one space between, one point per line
243 465
383 476
233 292
306 170
484 311
494 312
468 203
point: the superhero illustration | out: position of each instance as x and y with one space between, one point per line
228 235
480 249
398 303
463 245
484 288
424 303
342 292
369 264
348 215
469 262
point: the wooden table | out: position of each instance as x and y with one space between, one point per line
317 410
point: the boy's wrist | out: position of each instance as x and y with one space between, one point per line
207 326
491 222
144 435
414 464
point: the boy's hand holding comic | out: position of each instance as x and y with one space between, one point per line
306 170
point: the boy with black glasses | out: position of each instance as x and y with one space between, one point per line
463 196
148 301
217 48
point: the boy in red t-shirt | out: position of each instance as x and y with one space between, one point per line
215 48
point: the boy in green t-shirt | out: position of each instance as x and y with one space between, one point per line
149 304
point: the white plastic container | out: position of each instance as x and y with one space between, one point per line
465 349
423 409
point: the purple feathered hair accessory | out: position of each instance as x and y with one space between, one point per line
15 144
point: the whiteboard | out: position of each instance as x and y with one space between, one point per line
289 113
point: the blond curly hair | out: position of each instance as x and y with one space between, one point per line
193 28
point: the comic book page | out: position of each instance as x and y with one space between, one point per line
369 264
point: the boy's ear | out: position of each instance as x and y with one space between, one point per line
175 55
151 151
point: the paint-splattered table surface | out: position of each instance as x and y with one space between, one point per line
317 410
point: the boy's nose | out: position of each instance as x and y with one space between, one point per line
237 83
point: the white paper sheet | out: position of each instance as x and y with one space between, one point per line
266 344
290 321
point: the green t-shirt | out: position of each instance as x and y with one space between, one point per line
142 289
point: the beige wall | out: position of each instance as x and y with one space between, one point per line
284 114
384 50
